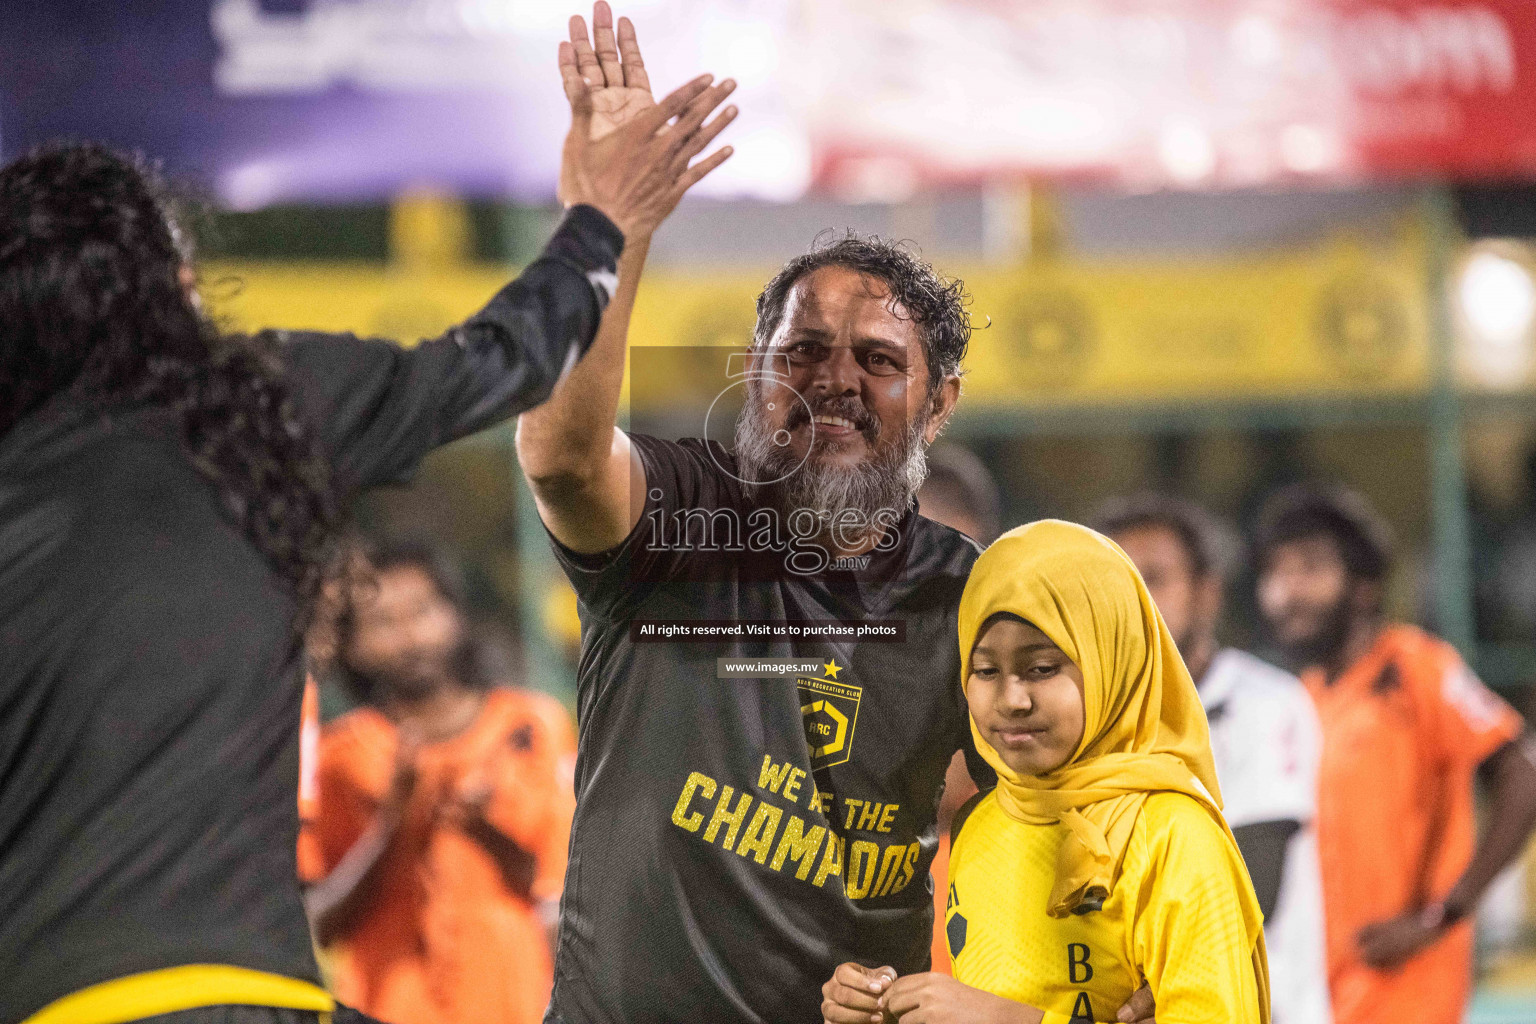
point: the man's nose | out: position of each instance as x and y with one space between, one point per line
838 373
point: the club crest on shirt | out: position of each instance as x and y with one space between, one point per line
830 710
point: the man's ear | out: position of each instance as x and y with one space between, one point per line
941 406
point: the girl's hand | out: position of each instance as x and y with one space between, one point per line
940 999
852 994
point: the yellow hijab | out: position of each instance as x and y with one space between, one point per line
1144 731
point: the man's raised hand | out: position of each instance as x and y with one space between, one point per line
637 173
612 68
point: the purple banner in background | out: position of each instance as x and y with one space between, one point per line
282 100
274 102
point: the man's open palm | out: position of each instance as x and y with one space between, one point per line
611 67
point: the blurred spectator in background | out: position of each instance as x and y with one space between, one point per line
960 493
1406 725
1264 735
445 806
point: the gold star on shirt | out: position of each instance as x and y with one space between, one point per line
831 669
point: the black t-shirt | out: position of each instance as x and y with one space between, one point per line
736 839
149 677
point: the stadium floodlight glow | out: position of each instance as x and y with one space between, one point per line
1310 149
1187 152
1496 310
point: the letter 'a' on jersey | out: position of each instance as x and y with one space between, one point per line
737 839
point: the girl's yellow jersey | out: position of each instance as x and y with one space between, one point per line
1173 919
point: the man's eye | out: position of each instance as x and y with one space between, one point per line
879 361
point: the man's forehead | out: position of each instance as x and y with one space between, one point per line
1310 546
399 582
829 294
1153 537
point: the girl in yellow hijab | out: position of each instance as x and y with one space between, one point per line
1101 860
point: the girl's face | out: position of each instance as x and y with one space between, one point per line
1026 697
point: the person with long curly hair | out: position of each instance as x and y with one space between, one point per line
169 495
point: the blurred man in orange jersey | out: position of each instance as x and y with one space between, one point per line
1406 726
444 814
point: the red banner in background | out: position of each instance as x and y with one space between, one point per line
1166 93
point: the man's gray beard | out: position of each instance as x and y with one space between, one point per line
888 479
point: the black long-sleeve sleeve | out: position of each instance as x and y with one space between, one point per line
378 407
